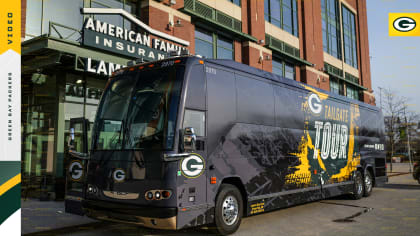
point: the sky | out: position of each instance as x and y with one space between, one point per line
395 61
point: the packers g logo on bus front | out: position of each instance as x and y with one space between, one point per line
118 175
314 102
76 170
192 166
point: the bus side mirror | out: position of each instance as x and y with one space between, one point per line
189 139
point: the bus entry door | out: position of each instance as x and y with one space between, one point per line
76 165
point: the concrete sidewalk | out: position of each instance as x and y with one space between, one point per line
398 168
40 216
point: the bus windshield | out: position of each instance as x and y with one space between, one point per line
139 110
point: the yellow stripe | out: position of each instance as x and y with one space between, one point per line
9 184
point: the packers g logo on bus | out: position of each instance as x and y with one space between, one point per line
76 170
118 175
192 166
314 103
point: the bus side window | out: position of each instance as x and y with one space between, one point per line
196 88
197 120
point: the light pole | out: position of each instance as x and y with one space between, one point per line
408 138
380 97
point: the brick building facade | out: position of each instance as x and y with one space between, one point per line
309 40
253 48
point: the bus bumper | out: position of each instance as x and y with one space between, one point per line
150 217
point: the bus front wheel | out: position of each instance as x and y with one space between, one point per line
228 209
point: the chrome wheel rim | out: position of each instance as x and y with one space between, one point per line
230 210
359 185
368 183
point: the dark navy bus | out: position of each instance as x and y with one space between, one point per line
188 141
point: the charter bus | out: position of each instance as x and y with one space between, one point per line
188 141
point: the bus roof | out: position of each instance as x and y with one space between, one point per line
273 77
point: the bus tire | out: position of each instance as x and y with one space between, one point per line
368 184
228 209
358 186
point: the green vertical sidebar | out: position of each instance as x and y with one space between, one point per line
9 188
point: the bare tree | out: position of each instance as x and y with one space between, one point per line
393 109
411 119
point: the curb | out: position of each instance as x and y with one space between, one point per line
392 174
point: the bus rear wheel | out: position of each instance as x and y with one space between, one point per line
228 209
358 185
368 184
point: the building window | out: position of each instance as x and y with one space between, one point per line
331 36
236 2
284 69
349 35
336 86
211 45
283 14
224 48
352 92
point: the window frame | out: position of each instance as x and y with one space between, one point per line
283 63
351 33
330 21
215 45
294 27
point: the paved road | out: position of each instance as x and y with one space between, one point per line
391 210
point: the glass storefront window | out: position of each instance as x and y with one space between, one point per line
38 130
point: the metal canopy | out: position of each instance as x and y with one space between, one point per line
37 45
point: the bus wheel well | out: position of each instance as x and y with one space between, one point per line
236 181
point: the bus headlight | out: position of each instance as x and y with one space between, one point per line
92 189
149 195
157 195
